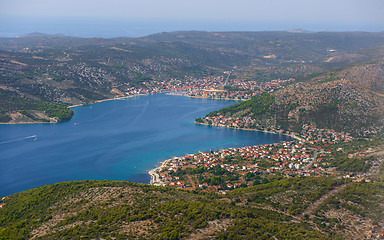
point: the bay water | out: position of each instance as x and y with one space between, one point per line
114 140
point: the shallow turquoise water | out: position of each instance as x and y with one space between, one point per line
114 140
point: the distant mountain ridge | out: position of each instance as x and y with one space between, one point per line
70 70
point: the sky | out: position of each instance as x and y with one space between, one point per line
253 15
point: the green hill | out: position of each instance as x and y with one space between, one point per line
346 100
119 210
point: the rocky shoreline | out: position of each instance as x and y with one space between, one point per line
108 99
292 135
18 118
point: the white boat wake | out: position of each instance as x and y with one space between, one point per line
20 139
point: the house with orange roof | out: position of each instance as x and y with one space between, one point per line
237 185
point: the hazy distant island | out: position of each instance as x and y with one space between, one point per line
324 89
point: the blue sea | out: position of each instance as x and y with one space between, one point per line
12 26
114 140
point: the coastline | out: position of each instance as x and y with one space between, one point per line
155 177
252 129
72 106
104 100
214 98
118 98
12 123
227 99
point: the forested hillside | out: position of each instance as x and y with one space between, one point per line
282 209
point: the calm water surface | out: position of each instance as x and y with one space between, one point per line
114 140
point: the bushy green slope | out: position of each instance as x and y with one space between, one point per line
338 105
102 209
11 102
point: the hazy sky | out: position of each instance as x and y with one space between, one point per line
289 13
318 10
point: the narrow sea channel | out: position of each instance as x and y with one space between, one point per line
114 140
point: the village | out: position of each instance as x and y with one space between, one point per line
214 87
224 170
